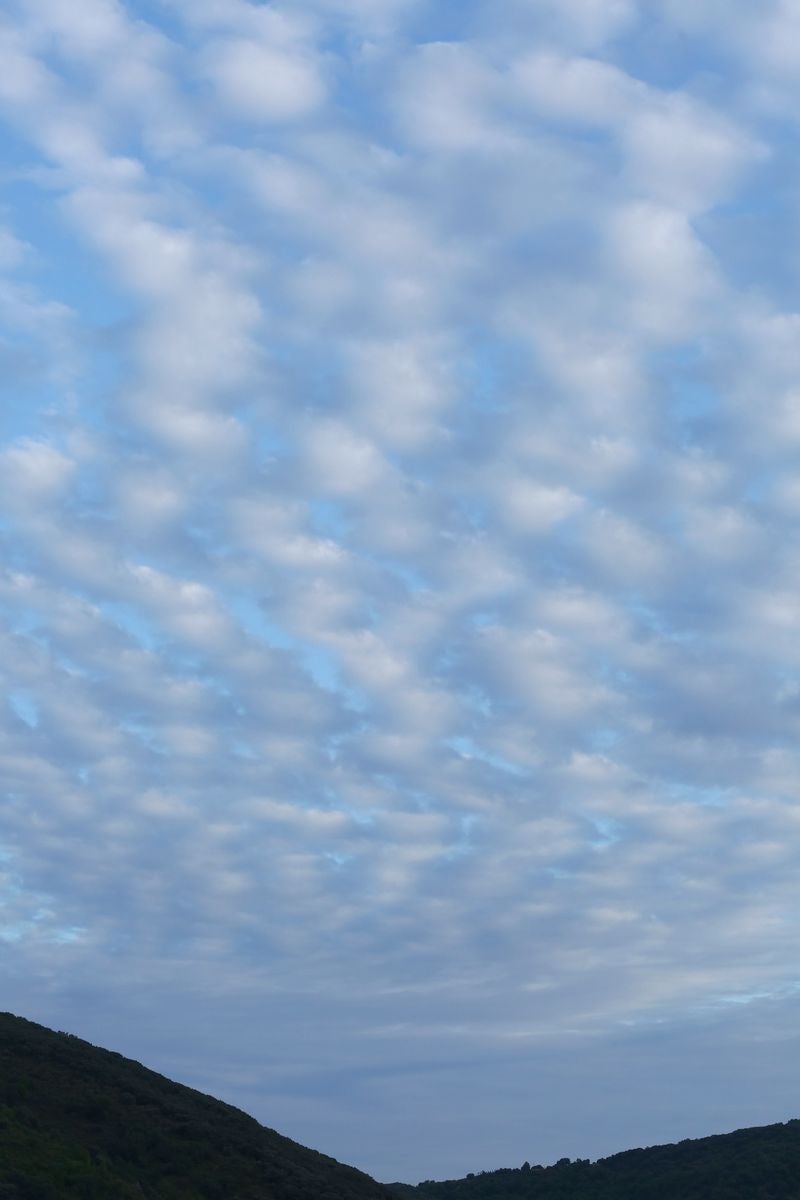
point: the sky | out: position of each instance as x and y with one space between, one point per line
399 562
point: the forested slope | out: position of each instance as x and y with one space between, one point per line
750 1164
80 1122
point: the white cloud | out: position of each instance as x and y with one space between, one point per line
594 21
683 154
398 507
264 83
669 276
584 90
531 507
447 91
400 389
340 462
32 472
97 30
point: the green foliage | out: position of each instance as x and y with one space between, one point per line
751 1164
81 1123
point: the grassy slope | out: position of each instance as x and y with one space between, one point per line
80 1122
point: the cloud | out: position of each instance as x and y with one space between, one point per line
397 615
264 83
580 89
34 471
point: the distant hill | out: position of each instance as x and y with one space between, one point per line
750 1164
84 1123
81 1123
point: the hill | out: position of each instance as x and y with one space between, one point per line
81 1123
750 1164
84 1123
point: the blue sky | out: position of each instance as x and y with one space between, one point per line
400 566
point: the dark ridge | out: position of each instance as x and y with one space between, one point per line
80 1122
751 1164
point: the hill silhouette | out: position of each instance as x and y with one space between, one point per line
751 1164
80 1122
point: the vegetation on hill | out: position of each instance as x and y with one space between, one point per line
81 1123
750 1164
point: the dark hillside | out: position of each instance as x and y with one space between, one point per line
750 1164
80 1122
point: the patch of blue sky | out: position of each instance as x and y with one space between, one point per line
16 161
68 936
484 619
25 395
24 622
749 997
493 371
242 749
561 557
465 842
478 700
784 990
443 21
560 873
269 443
692 404
318 662
612 675
322 666
602 740
358 90
329 519
12 885
423 800
16 931
37 387
465 747
15 552
250 615
560 247
607 831
219 189
657 621
306 369
163 16
59 262
322 376
760 487
663 56
25 707
750 237
33 395
144 734
127 618
689 793
337 858
411 578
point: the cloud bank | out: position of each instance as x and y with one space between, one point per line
399 622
